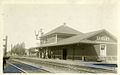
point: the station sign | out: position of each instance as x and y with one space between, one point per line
103 38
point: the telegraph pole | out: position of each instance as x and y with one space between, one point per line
5 46
39 34
11 49
5 51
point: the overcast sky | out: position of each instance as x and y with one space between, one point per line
20 20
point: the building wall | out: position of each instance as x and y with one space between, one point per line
97 49
47 40
111 53
77 52
111 50
63 36
51 39
86 52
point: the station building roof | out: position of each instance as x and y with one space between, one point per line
63 29
82 38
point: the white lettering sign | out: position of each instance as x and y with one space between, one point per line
103 38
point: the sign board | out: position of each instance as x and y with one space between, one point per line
102 38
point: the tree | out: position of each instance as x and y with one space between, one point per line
19 49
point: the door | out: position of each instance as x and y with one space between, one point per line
103 51
64 54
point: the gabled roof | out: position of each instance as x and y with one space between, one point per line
63 29
78 38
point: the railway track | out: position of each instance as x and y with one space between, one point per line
21 70
18 67
13 69
76 68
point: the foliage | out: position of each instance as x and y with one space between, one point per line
18 49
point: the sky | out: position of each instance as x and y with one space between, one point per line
21 20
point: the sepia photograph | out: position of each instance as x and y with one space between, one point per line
71 37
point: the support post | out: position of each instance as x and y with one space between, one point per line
83 58
73 53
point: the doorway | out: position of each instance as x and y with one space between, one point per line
64 53
103 51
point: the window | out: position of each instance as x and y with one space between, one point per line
102 47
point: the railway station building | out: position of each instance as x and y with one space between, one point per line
67 43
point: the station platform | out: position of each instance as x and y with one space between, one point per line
101 65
